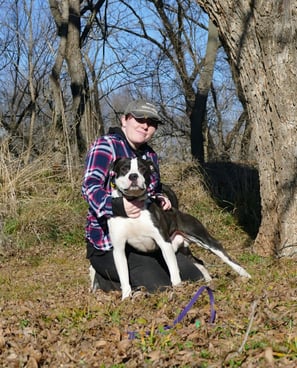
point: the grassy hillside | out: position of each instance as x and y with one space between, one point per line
49 318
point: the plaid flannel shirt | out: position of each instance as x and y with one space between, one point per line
96 189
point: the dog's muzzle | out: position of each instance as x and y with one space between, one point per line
133 192
132 187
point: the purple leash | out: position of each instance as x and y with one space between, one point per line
132 335
193 300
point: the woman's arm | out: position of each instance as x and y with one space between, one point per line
95 189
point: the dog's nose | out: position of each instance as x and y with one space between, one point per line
133 176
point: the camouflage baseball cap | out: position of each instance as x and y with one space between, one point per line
141 109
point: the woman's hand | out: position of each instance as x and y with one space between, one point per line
164 202
133 208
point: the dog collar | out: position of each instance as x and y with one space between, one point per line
132 198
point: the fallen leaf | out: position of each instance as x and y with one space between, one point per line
154 355
268 355
100 343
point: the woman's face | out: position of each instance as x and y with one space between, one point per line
138 131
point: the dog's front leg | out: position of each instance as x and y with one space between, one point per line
118 240
121 264
171 261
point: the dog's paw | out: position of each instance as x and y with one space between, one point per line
204 272
175 280
242 272
126 293
178 284
94 284
208 279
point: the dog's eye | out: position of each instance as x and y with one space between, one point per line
124 169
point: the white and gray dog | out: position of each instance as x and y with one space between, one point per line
168 230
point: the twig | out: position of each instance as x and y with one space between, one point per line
252 315
233 353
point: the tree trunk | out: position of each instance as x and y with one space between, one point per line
198 114
260 40
77 73
78 132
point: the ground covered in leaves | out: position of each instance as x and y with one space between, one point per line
48 317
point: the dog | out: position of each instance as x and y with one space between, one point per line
169 230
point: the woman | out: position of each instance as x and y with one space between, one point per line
138 125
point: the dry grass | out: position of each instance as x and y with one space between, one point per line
49 319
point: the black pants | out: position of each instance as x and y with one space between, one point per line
145 269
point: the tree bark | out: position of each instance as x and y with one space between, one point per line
260 40
60 15
198 114
77 73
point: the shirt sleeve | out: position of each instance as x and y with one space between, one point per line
96 189
155 186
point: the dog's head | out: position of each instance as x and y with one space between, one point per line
132 176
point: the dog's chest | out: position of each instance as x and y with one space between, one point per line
138 232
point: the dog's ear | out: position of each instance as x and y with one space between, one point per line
111 172
113 166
